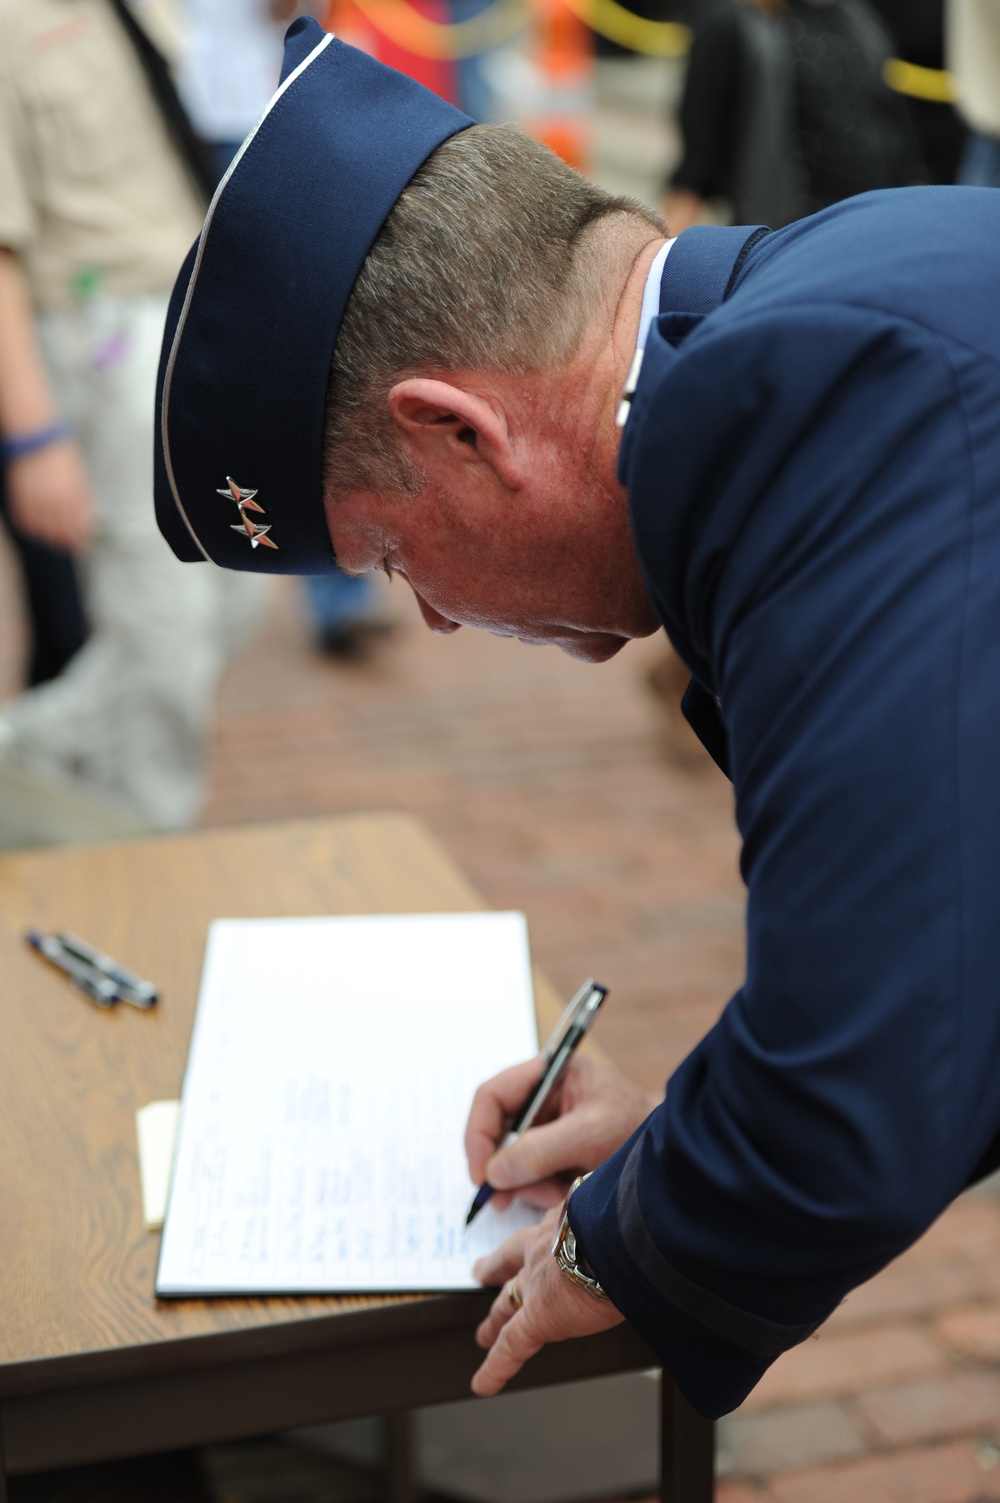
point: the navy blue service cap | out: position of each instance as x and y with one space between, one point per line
254 315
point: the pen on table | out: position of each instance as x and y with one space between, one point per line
131 988
100 989
567 1035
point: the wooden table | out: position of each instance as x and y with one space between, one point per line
92 1366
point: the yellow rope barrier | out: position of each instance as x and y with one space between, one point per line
442 40
618 24
919 83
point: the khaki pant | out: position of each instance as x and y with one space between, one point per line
132 711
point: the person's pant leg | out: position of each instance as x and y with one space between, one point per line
132 713
57 626
336 599
980 164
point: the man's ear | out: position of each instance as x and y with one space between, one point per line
445 427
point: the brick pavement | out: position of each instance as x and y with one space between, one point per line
548 783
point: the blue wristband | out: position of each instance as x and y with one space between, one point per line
20 444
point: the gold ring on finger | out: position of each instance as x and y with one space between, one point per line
513 1295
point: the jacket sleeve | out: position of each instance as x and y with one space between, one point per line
842 576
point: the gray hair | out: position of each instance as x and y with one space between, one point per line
484 263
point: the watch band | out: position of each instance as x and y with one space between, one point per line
568 1258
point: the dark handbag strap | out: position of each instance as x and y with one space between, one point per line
168 102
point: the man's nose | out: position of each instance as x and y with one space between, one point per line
437 623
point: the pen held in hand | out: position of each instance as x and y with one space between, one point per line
569 1033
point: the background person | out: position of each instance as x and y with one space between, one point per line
56 623
100 198
973 43
228 68
917 31
785 110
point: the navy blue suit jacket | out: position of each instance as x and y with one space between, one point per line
813 462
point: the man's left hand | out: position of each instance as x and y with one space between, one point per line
551 1306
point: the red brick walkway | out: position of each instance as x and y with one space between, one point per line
546 780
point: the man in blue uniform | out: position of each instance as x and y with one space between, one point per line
402 343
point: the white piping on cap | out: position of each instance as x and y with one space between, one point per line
169 373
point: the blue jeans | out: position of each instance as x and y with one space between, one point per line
336 599
980 164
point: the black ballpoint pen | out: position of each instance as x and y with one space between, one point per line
101 990
130 987
569 1032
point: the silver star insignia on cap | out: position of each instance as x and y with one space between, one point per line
244 499
257 535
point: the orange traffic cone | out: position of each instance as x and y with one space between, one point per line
562 115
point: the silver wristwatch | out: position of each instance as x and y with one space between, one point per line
564 1250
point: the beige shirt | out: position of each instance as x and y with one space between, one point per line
93 196
973 54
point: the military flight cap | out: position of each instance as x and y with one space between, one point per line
256 308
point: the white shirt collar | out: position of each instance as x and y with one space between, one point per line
649 310
651 294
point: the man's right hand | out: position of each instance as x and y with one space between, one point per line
593 1111
50 498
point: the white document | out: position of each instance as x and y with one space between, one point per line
332 1067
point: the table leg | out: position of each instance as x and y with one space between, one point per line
687 1449
400 1457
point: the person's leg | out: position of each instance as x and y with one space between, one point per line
132 712
941 137
336 598
57 626
980 164
342 608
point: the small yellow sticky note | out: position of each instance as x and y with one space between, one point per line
156 1131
